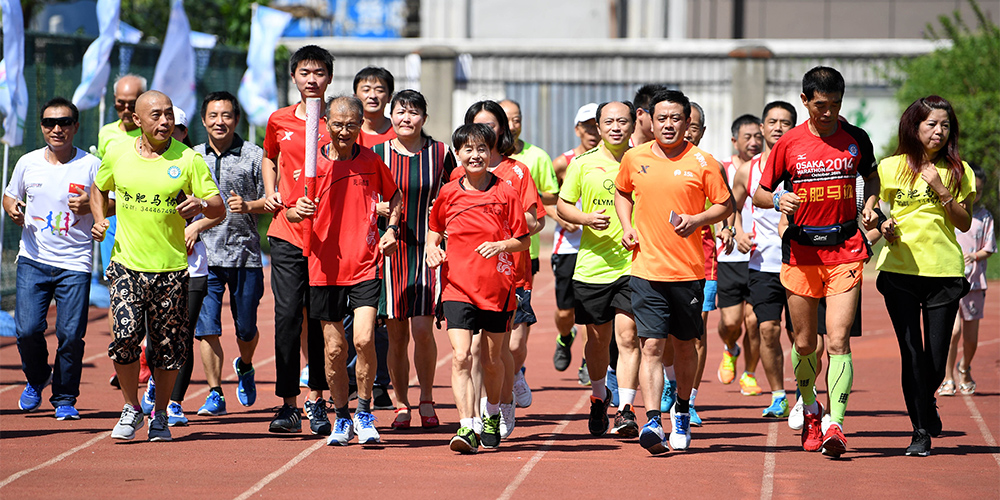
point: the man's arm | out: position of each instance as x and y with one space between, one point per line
15 209
98 204
623 208
269 172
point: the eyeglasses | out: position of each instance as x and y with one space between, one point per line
337 126
62 121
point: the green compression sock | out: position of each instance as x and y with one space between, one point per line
805 375
839 380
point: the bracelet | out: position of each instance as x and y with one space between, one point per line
945 203
777 198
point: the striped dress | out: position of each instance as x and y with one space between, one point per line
410 288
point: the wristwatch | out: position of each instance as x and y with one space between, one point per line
394 228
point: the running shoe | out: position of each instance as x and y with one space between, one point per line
246 388
286 420
598 422
507 420
159 427
920 445
491 431
130 421
175 415
625 424
695 418
364 427
343 432
834 442
669 395
215 405
778 409
67 412
652 438
148 398
319 423
795 415
748 385
812 432
522 393
564 355
381 399
464 441
304 377
727 368
680 430
582 375
612 383
31 396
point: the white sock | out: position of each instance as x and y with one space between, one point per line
777 395
694 394
465 422
668 373
812 409
477 425
625 397
492 409
597 388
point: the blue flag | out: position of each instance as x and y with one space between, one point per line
258 89
96 61
14 99
174 73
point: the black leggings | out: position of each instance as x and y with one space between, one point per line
923 356
197 289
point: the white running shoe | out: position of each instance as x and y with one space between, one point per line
343 432
364 427
130 421
796 417
680 429
522 393
506 419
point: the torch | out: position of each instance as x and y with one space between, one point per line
313 110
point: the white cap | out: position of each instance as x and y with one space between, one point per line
180 117
586 112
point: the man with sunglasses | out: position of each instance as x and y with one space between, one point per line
48 197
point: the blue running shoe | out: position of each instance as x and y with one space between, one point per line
343 432
695 419
652 438
304 377
215 405
175 415
680 432
246 389
612 384
364 427
148 398
778 409
67 412
31 396
669 395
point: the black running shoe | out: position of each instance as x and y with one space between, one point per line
625 424
920 445
934 426
319 423
564 355
381 399
598 423
490 437
286 420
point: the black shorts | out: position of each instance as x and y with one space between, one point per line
563 266
465 316
535 266
767 295
596 304
524 312
332 303
663 308
734 283
821 318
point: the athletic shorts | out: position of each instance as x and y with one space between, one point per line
971 306
535 265
711 291
524 312
767 295
734 283
820 280
562 267
663 308
597 304
465 316
333 302
159 300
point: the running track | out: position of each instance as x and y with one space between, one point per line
736 454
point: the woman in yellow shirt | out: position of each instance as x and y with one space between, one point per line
928 191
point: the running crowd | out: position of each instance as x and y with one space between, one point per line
397 231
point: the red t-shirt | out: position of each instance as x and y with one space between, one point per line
285 144
711 254
368 140
344 246
470 218
823 173
517 175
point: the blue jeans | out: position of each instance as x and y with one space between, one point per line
246 287
37 284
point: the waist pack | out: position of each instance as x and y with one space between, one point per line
820 236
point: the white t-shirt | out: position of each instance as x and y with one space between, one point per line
766 253
52 234
198 259
746 211
563 241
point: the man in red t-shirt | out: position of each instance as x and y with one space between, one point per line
284 156
374 86
823 251
345 250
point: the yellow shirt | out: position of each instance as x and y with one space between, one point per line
112 132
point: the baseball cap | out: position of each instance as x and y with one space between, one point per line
586 112
180 117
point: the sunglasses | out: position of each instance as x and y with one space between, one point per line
63 121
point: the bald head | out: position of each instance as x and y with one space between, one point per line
154 114
346 104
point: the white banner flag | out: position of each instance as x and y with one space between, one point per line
174 73
258 89
15 90
97 59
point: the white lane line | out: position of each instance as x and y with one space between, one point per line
983 429
523 474
767 483
55 460
284 468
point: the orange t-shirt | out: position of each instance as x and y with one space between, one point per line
285 144
369 140
659 185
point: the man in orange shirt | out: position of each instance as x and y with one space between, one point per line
662 186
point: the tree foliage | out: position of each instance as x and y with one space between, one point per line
968 75
227 19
